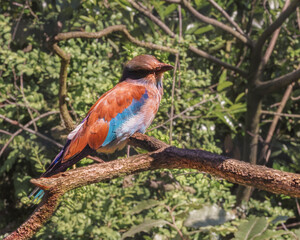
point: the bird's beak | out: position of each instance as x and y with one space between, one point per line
164 67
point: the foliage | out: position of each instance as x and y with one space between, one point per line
29 86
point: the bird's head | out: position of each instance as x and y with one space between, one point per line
145 67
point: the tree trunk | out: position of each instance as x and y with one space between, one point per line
250 150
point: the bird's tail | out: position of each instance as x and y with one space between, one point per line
38 193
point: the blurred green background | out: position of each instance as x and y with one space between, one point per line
157 204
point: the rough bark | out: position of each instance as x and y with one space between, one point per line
169 157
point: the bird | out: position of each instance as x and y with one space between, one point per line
129 107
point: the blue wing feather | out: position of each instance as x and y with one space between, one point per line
114 125
122 117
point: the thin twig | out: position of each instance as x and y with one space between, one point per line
96 159
242 37
263 154
109 30
191 108
25 127
199 52
172 98
179 41
5 132
273 41
292 233
17 25
217 61
298 206
26 102
174 222
298 17
257 50
281 114
18 104
289 225
146 12
32 12
250 22
229 19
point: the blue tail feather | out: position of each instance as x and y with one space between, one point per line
57 166
38 193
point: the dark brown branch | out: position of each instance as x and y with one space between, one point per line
145 11
224 13
63 107
199 52
243 38
263 154
257 50
217 61
277 83
102 33
235 171
273 41
143 141
149 45
109 30
278 22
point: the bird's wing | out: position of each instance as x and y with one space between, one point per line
107 115
100 126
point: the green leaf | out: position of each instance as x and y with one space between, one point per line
169 9
204 29
223 85
238 98
10 161
144 205
251 229
87 19
146 226
270 234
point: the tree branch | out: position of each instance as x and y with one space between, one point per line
278 22
224 13
25 127
172 98
257 50
109 30
235 171
147 13
199 52
263 154
63 75
242 37
277 83
289 115
272 43
217 61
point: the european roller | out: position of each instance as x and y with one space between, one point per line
127 108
